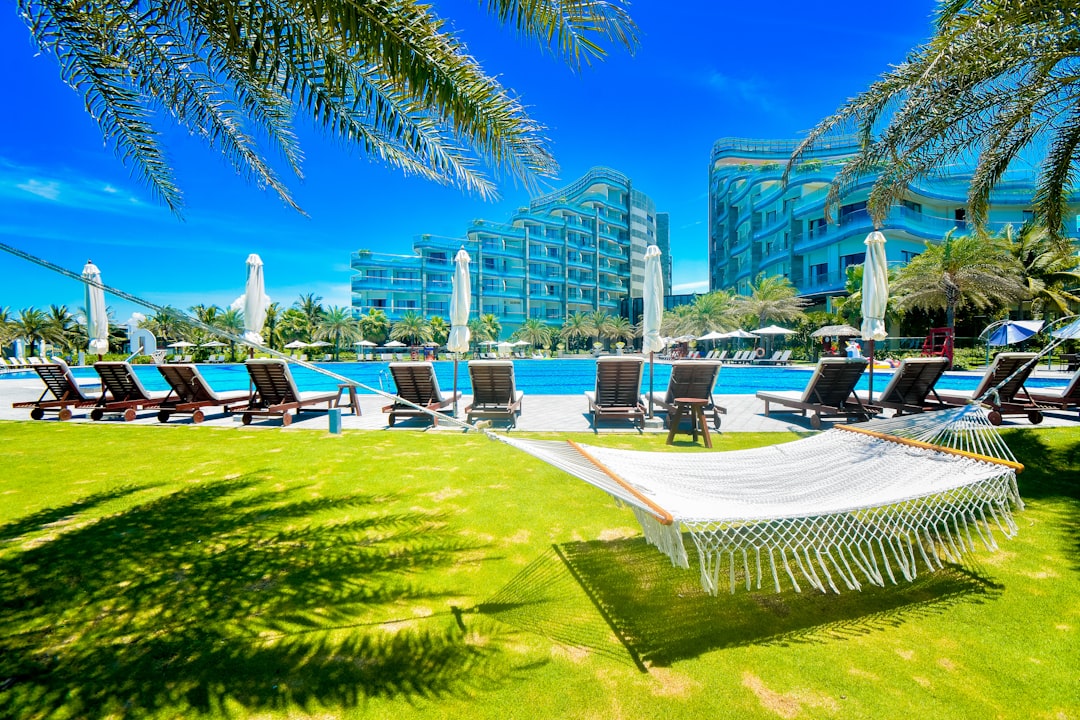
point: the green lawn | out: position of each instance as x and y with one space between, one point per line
200 572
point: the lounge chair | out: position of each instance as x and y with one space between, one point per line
778 358
1012 368
1051 399
693 380
418 387
911 385
122 392
494 393
64 388
829 393
618 390
189 393
774 360
276 394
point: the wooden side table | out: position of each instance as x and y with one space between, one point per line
354 401
695 409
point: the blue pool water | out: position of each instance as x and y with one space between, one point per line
538 377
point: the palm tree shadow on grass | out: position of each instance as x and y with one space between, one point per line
648 612
228 594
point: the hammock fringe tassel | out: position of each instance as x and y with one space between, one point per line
838 510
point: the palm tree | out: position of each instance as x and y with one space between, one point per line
715 311
411 329
995 82
31 325
61 328
167 323
1048 271
576 327
491 326
384 77
772 298
599 324
270 325
232 322
960 271
338 325
440 329
7 326
310 306
535 332
619 329
293 326
375 326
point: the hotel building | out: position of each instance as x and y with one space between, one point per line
758 226
581 248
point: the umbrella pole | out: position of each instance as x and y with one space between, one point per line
870 395
651 354
455 384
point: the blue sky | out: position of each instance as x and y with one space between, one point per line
704 70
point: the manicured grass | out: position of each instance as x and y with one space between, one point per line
202 572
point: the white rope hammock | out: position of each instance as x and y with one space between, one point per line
850 505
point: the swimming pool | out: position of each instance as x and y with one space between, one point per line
538 377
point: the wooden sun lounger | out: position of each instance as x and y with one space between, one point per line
418 388
1012 368
495 394
122 392
618 390
1046 398
829 393
694 380
276 394
65 391
189 393
911 386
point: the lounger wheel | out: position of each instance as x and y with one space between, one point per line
97 414
163 416
65 414
392 419
286 420
197 416
994 417
37 413
246 418
815 421
716 422
1035 417
129 414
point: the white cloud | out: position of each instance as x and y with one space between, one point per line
49 190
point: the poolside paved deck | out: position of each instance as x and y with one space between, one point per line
541 413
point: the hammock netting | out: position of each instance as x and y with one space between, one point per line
854 504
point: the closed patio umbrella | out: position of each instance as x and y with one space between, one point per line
460 297
255 301
653 315
875 297
97 318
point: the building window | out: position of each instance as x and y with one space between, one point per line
816 227
912 206
819 273
847 261
408 304
378 302
770 217
1029 217
489 263
908 255
960 215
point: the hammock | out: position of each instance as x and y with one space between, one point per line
854 504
